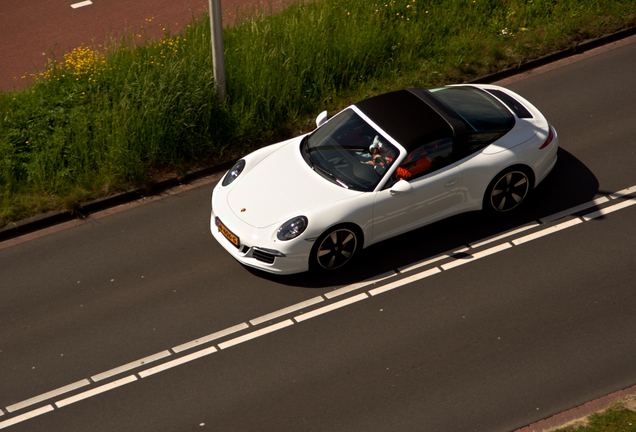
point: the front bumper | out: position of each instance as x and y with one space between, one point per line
256 247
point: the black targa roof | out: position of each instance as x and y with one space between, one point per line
406 117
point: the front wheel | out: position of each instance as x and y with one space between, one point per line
507 191
334 249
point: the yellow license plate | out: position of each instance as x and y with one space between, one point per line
227 233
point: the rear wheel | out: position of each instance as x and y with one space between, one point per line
334 249
507 190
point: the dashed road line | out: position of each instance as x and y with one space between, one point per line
26 416
81 4
573 210
177 362
405 281
287 310
210 338
357 286
48 395
331 307
547 231
473 257
95 391
458 257
436 258
503 235
610 209
133 365
255 334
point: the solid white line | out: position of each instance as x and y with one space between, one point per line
610 209
81 4
547 231
623 192
331 307
573 210
504 235
48 395
177 362
95 391
209 338
287 310
461 261
255 334
405 281
129 366
436 258
359 285
26 416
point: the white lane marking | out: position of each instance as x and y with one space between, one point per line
132 365
356 286
255 334
610 209
573 210
209 338
331 307
95 391
26 416
504 235
405 281
287 310
547 231
81 4
177 362
623 192
465 260
436 258
48 395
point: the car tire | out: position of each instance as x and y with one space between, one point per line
508 190
335 248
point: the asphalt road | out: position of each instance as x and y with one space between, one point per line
518 332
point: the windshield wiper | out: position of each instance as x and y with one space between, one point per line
331 176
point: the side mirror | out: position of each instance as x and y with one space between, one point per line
321 119
401 187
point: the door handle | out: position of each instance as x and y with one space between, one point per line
451 182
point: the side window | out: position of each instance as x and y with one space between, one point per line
426 159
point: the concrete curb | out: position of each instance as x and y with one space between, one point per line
577 415
46 220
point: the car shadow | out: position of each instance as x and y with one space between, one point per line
569 184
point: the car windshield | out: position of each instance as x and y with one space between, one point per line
349 152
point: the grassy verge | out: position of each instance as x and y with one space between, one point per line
114 117
616 418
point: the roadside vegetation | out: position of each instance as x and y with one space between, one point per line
616 418
108 118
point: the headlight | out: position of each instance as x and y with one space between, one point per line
232 174
292 228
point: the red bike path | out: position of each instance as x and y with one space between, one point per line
31 31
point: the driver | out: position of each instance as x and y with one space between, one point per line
380 153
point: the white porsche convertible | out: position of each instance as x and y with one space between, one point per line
380 168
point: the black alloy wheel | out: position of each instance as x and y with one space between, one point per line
335 248
508 191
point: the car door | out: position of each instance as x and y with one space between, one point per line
431 193
431 198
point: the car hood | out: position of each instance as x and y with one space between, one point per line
281 186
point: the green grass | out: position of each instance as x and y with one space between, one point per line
616 418
110 118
